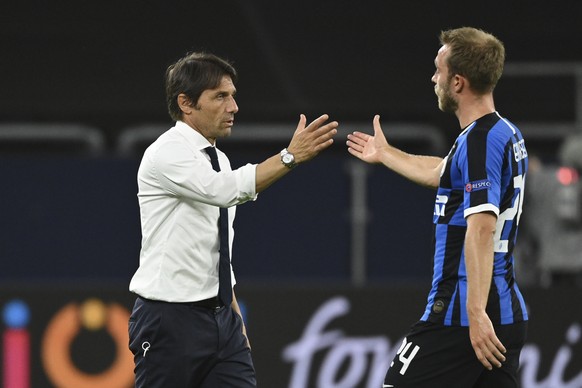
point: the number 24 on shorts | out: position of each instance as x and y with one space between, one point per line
403 358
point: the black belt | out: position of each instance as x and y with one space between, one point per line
210 303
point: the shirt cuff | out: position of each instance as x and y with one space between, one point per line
248 182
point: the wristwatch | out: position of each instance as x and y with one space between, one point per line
287 158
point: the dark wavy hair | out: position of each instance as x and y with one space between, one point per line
193 74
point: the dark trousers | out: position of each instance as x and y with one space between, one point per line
442 356
178 345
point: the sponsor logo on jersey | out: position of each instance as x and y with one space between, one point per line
483 184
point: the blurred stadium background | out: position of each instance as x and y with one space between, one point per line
82 96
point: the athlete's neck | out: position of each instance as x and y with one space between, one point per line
474 107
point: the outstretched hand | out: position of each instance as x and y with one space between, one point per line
366 147
308 141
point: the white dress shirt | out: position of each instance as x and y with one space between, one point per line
179 197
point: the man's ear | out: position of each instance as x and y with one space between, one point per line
459 83
185 103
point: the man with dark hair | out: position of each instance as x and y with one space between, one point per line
186 328
474 324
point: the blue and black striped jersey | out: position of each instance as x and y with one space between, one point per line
483 172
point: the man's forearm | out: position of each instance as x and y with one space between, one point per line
420 169
479 261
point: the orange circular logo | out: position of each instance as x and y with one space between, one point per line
93 314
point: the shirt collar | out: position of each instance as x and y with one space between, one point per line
194 138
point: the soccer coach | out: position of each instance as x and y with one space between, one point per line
186 329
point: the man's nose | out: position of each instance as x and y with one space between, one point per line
232 107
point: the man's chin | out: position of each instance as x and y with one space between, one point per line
226 132
442 107
447 107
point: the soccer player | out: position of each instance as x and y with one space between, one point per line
474 324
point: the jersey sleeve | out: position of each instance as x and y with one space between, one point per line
481 169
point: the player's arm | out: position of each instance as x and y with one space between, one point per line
479 264
420 169
306 143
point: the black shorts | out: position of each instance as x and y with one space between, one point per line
437 356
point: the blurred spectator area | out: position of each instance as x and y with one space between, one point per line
550 240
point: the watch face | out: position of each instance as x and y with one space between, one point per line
287 158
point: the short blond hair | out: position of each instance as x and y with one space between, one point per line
475 55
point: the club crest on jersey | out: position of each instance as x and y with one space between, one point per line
483 184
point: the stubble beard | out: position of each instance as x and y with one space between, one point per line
446 101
